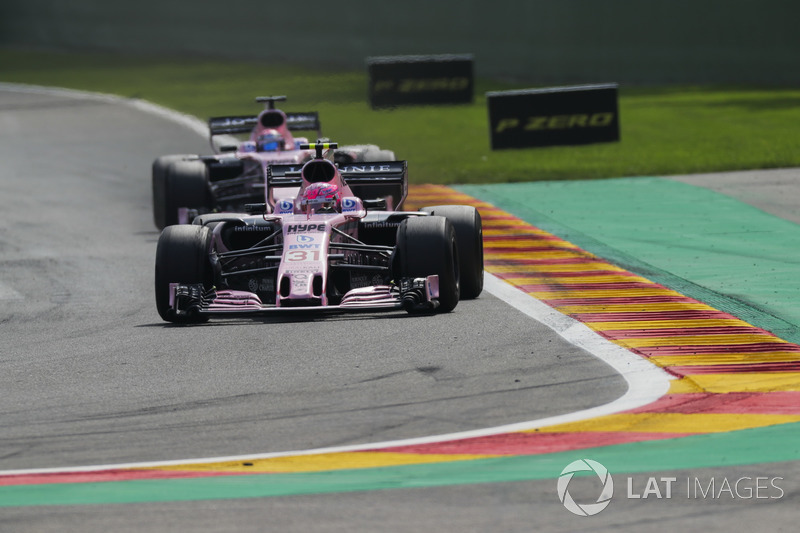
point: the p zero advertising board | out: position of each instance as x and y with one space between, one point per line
420 80
555 116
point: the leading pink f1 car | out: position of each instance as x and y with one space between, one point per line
327 238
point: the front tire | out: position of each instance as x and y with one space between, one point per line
427 246
181 257
159 179
467 223
185 185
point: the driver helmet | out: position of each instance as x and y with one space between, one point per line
270 141
321 198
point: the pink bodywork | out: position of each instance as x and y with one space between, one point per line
306 240
305 256
283 129
291 154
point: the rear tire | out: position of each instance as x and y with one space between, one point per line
181 257
185 185
427 246
159 173
469 234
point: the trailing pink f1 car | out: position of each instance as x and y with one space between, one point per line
187 185
326 238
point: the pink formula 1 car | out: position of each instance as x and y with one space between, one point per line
327 237
187 185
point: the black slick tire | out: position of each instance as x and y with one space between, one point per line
159 180
181 257
426 245
185 185
466 221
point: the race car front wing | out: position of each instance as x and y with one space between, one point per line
412 294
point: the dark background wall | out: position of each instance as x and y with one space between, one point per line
540 41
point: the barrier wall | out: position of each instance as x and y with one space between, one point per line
539 41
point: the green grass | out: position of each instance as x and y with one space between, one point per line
672 130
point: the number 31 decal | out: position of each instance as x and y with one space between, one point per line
302 255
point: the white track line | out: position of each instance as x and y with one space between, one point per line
190 122
646 382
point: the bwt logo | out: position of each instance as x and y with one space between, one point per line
586 509
285 206
556 122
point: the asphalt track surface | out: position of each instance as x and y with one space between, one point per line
92 376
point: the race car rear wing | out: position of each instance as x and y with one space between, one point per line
308 121
304 122
375 181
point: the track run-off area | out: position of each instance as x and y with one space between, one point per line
686 292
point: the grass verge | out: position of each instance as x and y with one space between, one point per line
664 131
